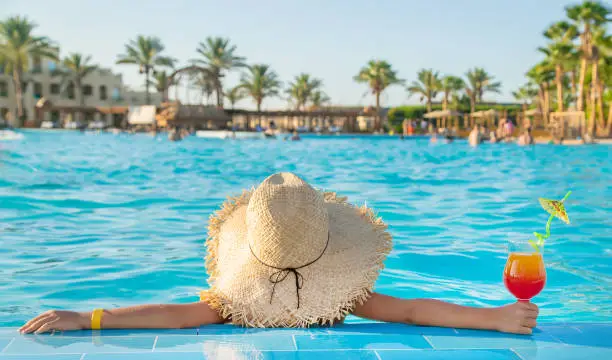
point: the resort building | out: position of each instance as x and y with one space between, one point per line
102 88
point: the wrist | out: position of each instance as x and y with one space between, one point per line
495 319
85 320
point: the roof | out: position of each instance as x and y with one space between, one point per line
176 113
484 113
112 109
533 112
441 113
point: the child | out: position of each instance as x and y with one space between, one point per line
287 255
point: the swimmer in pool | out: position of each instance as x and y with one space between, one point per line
287 255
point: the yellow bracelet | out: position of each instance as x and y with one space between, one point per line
96 319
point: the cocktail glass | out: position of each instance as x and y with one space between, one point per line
524 274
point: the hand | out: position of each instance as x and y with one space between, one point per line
56 320
517 318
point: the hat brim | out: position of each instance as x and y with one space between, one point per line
240 287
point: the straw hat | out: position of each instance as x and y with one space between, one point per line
287 255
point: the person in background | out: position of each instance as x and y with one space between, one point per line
474 138
296 136
500 133
509 129
526 138
492 137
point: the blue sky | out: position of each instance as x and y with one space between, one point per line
329 39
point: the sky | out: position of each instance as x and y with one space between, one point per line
330 40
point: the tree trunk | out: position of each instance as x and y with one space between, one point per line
445 102
219 92
428 104
472 104
377 116
573 83
600 106
81 98
148 95
609 124
558 80
546 104
591 125
165 94
18 122
540 106
596 93
579 94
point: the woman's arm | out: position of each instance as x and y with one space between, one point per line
134 317
517 318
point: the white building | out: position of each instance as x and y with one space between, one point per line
102 88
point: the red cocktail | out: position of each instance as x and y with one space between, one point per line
525 275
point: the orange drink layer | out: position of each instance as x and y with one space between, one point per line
525 275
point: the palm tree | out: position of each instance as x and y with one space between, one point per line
427 86
586 16
206 83
559 54
218 56
75 68
145 51
260 82
480 82
379 75
600 52
162 82
542 75
235 94
525 94
18 46
318 99
449 87
301 89
562 32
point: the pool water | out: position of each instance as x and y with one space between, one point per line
101 220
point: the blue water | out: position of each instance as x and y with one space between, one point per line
101 220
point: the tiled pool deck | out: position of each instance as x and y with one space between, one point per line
557 341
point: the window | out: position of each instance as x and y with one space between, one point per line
116 94
87 90
70 91
37 66
52 66
3 89
55 89
55 116
38 93
89 116
102 92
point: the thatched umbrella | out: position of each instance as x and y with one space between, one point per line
487 116
443 114
207 117
533 113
